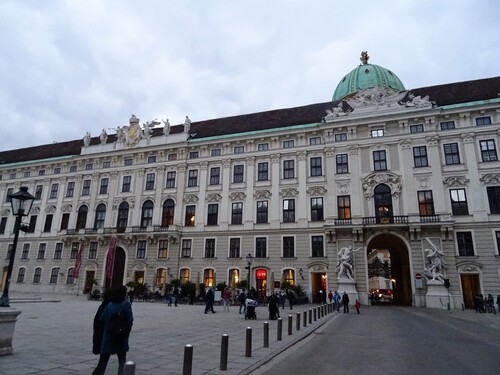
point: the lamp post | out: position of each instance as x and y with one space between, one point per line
249 259
21 205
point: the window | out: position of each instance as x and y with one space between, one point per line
464 244
3 224
342 163
447 125
263 146
100 215
263 171
237 213
315 141
25 254
289 276
215 152
208 277
9 193
484 120
172 157
152 159
128 161
38 192
497 236
54 275
70 279
458 202
58 250
190 214
160 277
425 203
193 178
48 223
103 189
106 164
316 168
122 220
64 221
184 275
147 214
93 250
340 137
75 246
317 247
27 174
420 156
150 181
41 251
127 180
379 161
210 248
262 217
316 209
41 172
167 216
141 249
288 169
344 206
375 133
186 248
289 144
418 128
72 169
239 149
12 176
288 210
261 247
234 248
212 214
33 219
37 275
451 154
21 273
57 170
81 219
70 189
494 199
238 173
86 187
163 249
288 247
170 180
488 150
194 155
53 191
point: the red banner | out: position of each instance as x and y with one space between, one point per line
78 262
110 259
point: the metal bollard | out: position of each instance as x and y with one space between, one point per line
290 322
224 348
266 334
297 323
280 329
248 342
304 322
188 360
314 312
129 368
310 316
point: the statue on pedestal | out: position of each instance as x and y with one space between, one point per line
345 263
435 263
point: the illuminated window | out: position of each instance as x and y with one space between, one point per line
289 276
208 277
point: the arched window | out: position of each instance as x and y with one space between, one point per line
208 277
81 219
70 279
122 220
383 203
37 275
289 276
234 278
21 272
54 275
160 277
167 216
147 214
100 214
184 275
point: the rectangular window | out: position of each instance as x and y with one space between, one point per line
150 181
3 224
64 221
261 247
193 178
21 273
263 146
344 206
238 173
497 236
465 244
418 128
288 169
75 246
316 167
316 209
194 155
38 192
425 203
163 249
288 210
70 189
420 156
458 202
141 249
342 164
263 171
190 215
48 223
86 187
289 144
126 184
54 275
88 167
239 149
262 216
494 199
237 213
9 251
210 248
27 174
128 161
103 188
33 220
41 251
451 153
41 172
9 193
172 157
379 161
58 250
152 159
288 247
93 250
70 279
37 276
106 164
57 170
315 141
53 191
170 180
215 152
317 247
340 137
375 133
234 248
25 254
488 150
447 125
212 214
72 169
484 120
12 176
186 249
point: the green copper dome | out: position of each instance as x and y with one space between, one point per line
366 76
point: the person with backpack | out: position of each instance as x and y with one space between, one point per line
241 299
118 319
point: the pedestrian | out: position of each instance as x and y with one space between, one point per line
241 299
345 302
176 295
98 324
226 297
112 344
209 301
273 307
498 302
330 296
357 305
336 300
168 295
291 298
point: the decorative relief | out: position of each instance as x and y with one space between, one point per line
191 198
5 212
226 163
66 208
50 209
456 181
214 197
275 158
262 194
204 165
289 192
468 137
353 150
405 144
95 176
118 201
316 190
250 160
182 167
490 178
302 155
343 187
329 151
424 182
35 210
432 141
388 178
237 196
469 267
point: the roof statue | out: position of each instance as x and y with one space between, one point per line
103 137
166 127
187 125
86 139
364 57
147 131
133 132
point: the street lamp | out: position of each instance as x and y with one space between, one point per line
249 259
21 205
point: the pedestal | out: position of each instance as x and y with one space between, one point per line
437 296
8 318
348 286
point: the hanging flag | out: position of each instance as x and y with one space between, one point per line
78 262
110 259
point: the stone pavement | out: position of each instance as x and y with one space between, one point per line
53 335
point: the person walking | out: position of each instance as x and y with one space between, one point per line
273 307
114 344
176 295
226 297
98 324
209 300
291 298
241 299
330 296
336 300
357 305
345 302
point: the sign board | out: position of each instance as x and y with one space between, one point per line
418 280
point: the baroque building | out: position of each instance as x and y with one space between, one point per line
379 169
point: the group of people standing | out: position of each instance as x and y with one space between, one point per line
343 300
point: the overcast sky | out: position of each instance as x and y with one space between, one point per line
68 67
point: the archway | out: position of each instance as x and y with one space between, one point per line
389 270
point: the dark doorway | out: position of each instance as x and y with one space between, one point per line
87 287
470 288
318 283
